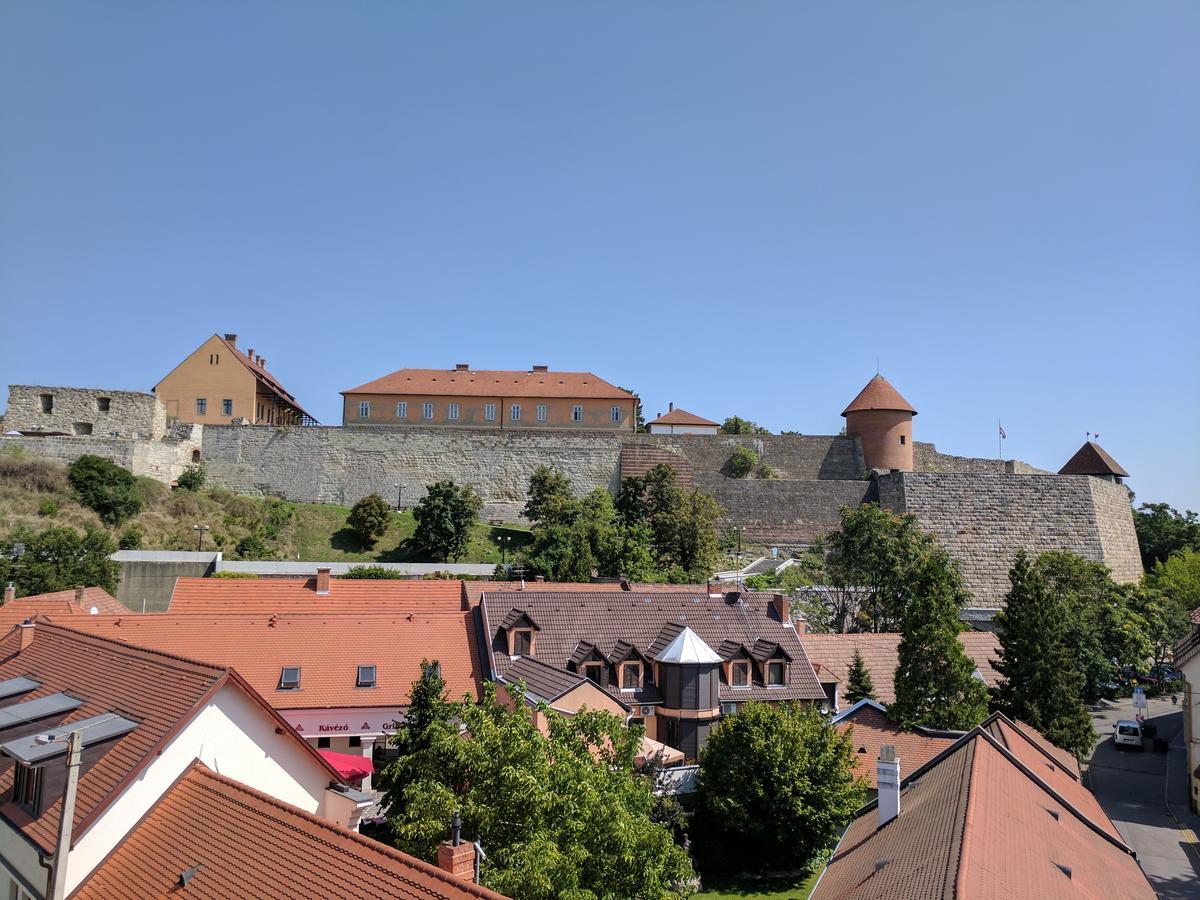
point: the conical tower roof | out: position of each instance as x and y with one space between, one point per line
879 394
1091 459
688 648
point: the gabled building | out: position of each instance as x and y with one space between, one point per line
534 399
677 661
76 601
680 421
869 726
319 593
218 384
995 815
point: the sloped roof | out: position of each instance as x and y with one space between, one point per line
870 728
327 648
881 655
688 648
246 842
977 822
265 378
212 596
476 589
543 681
1092 459
59 603
679 416
493 383
879 394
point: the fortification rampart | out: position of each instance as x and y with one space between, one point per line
163 460
787 514
927 458
85 411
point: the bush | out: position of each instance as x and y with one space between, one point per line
369 518
252 547
48 509
105 487
373 572
192 478
765 471
742 462
234 575
131 539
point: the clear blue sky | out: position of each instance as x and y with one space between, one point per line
733 206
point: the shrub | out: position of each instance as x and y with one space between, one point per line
742 462
765 471
192 478
234 575
105 487
369 518
252 547
373 572
131 538
48 509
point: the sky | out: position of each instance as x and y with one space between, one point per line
741 208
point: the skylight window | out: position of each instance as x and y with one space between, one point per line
366 677
289 678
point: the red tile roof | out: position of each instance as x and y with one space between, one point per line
879 394
249 844
683 417
270 381
58 603
870 728
493 383
299 595
328 648
1091 459
977 822
881 654
476 589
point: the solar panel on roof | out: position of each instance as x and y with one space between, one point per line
37 748
12 686
38 708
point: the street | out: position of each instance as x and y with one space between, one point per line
1146 796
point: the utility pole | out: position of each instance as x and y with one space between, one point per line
66 822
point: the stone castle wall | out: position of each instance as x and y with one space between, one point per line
786 514
795 457
927 458
163 460
85 411
984 519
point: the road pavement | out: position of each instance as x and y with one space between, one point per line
1146 796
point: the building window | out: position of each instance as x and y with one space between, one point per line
739 674
104 404
322 743
214 359
27 787
901 440
227 407
356 741
522 642
514 414
541 412
427 410
594 672
631 676
615 414
366 677
402 409
576 413
82 427
201 406
47 402
289 678
452 411
775 674
489 412
364 409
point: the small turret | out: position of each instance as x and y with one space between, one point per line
1091 459
882 421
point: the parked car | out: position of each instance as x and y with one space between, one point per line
1167 672
1127 733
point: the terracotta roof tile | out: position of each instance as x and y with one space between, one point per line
679 416
879 394
249 844
1091 459
58 603
271 382
476 589
299 595
493 383
870 728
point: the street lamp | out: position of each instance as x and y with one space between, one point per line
199 529
399 494
504 541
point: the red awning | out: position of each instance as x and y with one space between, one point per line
349 765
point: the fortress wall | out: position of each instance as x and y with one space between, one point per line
984 519
162 460
926 458
129 414
783 513
799 457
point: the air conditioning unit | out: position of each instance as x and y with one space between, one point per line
647 711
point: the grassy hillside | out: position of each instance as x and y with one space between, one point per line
35 492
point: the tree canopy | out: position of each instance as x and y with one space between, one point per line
1163 531
738 425
445 517
369 518
105 487
57 559
859 685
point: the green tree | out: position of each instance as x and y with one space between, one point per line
105 487
1163 531
131 538
742 462
638 418
738 425
859 685
57 559
1168 595
935 682
561 814
192 478
374 572
775 788
252 546
428 706
445 517
369 518
1042 684
551 500
1178 577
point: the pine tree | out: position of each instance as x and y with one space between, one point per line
859 685
935 681
1042 682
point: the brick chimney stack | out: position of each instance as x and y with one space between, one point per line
541 368
783 607
79 593
10 592
462 367
671 406
262 362
889 784
323 580
231 339
454 856
26 634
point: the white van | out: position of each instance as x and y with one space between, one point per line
1127 734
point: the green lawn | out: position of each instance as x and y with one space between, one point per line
761 889
322 534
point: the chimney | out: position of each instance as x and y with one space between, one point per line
262 362
250 353
889 784
323 580
231 339
79 589
10 592
27 628
801 625
454 856
783 607
670 407
462 367
541 368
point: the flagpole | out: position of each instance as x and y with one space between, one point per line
999 441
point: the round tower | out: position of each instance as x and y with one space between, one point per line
882 421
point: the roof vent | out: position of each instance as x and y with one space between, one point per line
1066 870
462 367
881 864
541 368
187 875
1054 813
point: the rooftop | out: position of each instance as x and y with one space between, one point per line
537 382
679 416
869 728
239 840
299 595
879 394
1092 459
76 600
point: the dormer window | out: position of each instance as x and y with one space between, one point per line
776 674
631 676
289 678
27 787
739 673
594 672
522 642
366 677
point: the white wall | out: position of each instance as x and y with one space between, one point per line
1191 712
684 429
232 735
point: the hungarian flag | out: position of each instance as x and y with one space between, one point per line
1003 433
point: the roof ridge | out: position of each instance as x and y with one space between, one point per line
76 634
999 716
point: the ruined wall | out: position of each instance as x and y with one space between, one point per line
163 460
926 458
984 519
787 514
83 411
798 457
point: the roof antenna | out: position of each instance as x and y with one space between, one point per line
876 363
